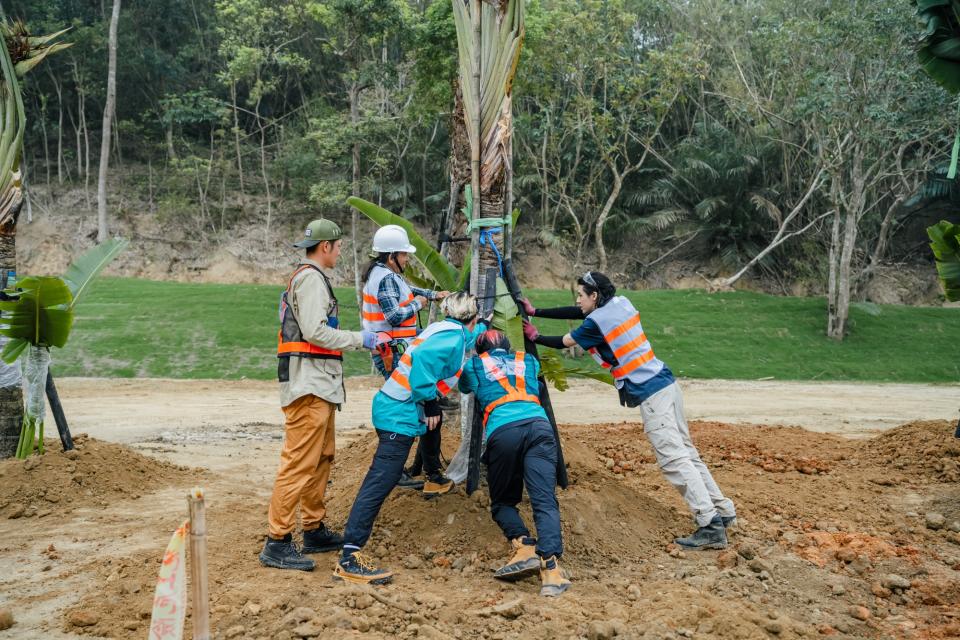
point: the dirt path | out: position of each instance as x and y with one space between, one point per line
825 521
136 410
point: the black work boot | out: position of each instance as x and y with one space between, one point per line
712 536
729 522
408 481
281 554
321 540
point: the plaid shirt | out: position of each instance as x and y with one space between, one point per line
388 296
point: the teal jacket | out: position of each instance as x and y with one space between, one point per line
475 380
434 359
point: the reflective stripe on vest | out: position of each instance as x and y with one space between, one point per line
514 394
397 385
371 313
619 322
290 342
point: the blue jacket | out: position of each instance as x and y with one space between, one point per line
476 380
435 359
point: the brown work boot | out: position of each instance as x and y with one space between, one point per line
437 485
524 561
552 578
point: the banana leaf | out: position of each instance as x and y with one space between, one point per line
945 243
85 268
938 50
41 315
444 274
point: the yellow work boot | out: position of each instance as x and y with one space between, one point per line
437 485
524 561
552 578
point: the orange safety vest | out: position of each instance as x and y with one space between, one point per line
290 342
372 314
619 322
397 385
514 394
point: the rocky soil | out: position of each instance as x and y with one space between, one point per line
837 537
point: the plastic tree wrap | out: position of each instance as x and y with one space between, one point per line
35 368
10 375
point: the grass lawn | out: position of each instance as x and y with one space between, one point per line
140 328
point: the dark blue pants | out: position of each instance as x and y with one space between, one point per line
380 480
518 454
427 458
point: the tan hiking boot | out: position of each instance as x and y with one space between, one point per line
437 485
524 561
357 569
552 578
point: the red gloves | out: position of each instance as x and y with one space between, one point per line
528 307
529 331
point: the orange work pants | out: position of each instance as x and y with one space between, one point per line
305 462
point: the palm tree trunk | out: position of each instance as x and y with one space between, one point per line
11 395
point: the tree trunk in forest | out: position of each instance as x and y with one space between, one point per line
56 86
264 173
168 137
11 396
46 142
355 190
102 231
236 131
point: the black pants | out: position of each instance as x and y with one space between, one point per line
427 458
518 454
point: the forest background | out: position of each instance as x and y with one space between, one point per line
667 143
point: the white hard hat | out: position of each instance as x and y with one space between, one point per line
391 238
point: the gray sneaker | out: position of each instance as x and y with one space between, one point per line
712 536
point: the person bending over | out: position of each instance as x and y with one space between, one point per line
404 408
521 450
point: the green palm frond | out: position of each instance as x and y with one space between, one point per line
443 273
84 269
664 218
945 243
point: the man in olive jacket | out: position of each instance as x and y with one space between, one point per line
310 355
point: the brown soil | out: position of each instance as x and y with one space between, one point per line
920 447
95 474
824 522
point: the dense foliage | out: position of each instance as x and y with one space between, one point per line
701 124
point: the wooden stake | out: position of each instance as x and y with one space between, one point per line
198 564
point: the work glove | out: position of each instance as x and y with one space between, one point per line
528 307
373 339
529 331
433 414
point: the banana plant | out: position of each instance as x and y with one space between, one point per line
938 48
38 314
945 242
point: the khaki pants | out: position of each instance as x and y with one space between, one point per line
305 462
668 433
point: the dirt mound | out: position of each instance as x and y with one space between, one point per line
95 474
927 449
809 558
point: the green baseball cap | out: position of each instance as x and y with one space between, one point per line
318 231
